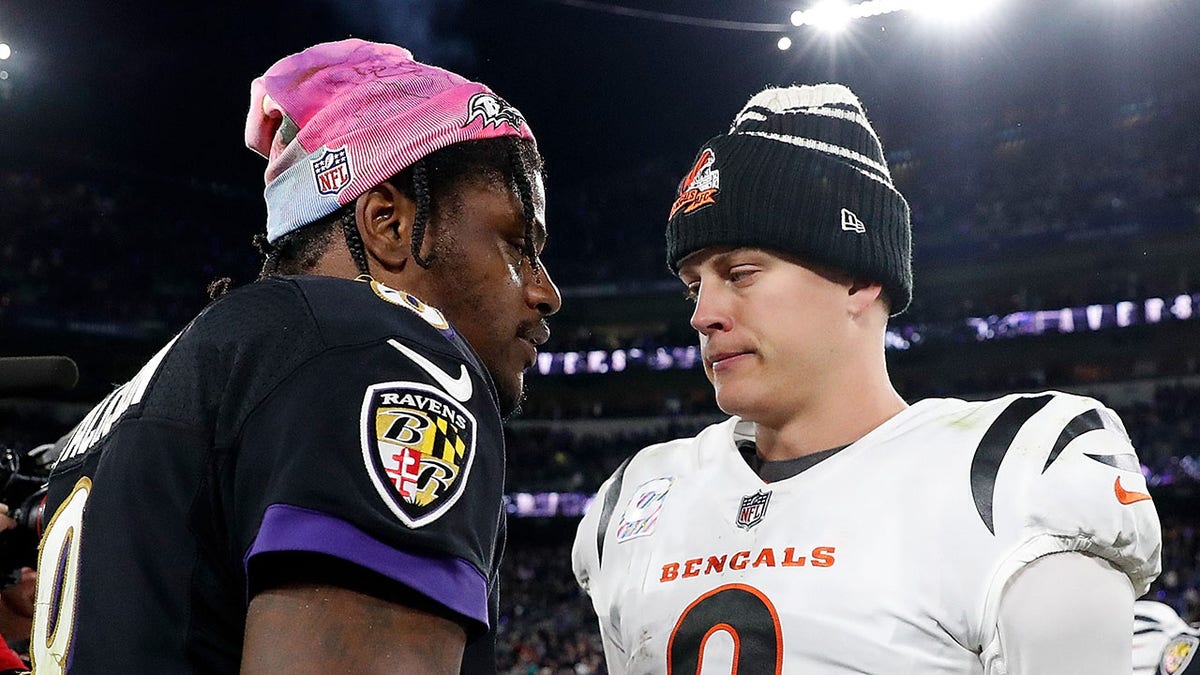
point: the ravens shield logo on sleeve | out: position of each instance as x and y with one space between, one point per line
418 445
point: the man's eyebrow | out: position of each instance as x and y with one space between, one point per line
724 256
715 259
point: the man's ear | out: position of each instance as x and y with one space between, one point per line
385 218
862 294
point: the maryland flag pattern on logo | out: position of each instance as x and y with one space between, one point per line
1178 654
418 445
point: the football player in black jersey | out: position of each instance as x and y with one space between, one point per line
308 478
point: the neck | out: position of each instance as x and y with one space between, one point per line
336 262
830 420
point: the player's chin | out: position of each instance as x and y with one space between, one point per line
511 392
735 400
508 373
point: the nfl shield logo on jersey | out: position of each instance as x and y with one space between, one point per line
332 171
418 445
752 509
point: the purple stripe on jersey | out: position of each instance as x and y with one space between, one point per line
450 581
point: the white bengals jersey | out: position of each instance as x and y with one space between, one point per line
888 557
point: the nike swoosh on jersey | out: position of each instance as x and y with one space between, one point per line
1127 497
458 387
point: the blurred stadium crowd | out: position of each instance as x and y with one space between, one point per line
1011 183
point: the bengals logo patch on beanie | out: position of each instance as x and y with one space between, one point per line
700 187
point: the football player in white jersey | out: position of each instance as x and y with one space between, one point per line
827 526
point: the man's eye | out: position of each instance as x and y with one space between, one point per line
692 292
738 274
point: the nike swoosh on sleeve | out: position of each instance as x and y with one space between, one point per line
458 387
1128 496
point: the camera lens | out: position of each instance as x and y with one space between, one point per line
30 515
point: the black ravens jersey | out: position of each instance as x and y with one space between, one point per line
314 423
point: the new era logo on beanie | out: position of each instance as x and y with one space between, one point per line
342 117
801 171
851 223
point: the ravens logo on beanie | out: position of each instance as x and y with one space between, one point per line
801 171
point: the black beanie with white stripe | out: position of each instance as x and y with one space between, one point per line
802 172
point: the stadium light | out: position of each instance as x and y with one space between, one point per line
953 11
836 14
831 16
5 51
821 12
784 44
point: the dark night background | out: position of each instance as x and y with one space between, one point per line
162 88
146 102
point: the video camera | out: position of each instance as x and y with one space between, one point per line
23 475
23 489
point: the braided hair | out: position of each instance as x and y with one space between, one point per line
430 183
420 189
520 175
354 241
